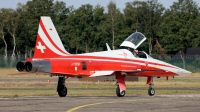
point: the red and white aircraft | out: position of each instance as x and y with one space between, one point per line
51 57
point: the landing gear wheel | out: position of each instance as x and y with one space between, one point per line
118 93
62 91
151 91
61 88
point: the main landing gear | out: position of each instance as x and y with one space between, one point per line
61 88
151 90
121 87
120 93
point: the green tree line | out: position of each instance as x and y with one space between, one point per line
88 28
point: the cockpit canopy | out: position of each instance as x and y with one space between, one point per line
134 40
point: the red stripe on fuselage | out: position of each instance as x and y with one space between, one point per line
84 57
46 33
152 74
66 66
118 59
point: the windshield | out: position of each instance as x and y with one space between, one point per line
134 40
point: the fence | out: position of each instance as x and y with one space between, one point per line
9 62
192 62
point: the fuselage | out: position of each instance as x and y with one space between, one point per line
115 60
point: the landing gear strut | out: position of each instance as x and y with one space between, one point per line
61 88
151 90
121 87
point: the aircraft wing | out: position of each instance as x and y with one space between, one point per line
106 73
101 73
110 72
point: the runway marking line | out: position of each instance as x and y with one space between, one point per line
112 102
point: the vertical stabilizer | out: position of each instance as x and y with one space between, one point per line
48 43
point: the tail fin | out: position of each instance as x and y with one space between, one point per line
48 43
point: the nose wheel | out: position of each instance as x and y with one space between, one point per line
151 90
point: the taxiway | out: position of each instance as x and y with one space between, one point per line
135 103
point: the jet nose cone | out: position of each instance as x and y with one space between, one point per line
184 72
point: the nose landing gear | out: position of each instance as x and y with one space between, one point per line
151 90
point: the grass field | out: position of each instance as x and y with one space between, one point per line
188 84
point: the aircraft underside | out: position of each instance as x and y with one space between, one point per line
120 83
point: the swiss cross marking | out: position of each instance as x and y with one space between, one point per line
41 47
124 54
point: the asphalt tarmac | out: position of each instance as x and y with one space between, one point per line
135 103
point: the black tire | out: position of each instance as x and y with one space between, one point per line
62 91
118 93
151 91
